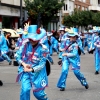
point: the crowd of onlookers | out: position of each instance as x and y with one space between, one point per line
11 41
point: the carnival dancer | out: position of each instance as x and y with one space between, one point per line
22 35
55 34
44 40
19 42
53 43
20 39
96 45
45 44
79 42
62 39
84 38
4 49
32 70
71 57
10 44
89 40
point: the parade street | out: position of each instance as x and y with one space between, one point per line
74 91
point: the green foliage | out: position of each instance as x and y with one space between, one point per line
76 18
45 8
87 18
67 21
96 19
80 18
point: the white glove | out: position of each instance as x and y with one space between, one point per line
44 47
25 41
98 46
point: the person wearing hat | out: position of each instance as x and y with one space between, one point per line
62 39
53 43
10 45
84 38
32 70
45 44
71 57
79 42
96 48
44 41
4 49
20 39
19 42
89 40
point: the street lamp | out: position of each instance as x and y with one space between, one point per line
60 16
20 13
39 20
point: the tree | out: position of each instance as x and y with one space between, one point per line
79 18
73 20
40 10
96 19
76 17
67 21
87 18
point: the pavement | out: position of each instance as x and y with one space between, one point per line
74 90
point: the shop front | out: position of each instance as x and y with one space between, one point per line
9 17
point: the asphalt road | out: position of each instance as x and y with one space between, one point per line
74 90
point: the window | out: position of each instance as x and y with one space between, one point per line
82 8
79 7
75 6
65 7
84 0
86 8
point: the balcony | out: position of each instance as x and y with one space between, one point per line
12 2
94 8
65 12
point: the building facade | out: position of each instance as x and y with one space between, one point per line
10 12
95 5
82 4
68 7
71 5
